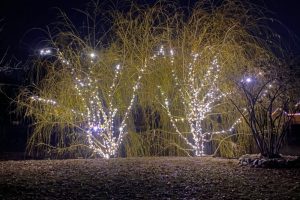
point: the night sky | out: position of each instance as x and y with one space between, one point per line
21 18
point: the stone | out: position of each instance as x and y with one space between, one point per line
256 162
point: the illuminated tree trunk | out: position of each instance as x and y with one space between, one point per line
199 95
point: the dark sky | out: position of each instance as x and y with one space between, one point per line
21 16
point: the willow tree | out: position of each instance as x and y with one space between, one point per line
203 50
86 93
159 58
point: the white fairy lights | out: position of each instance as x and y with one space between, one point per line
105 133
101 118
92 55
105 126
45 52
199 96
248 80
47 101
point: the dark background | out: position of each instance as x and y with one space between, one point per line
20 38
23 17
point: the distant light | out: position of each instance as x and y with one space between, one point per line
172 52
248 80
95 128
92 55
45 52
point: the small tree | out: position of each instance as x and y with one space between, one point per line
266 101
207 47
201 97
86 93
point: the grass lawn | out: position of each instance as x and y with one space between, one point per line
145 178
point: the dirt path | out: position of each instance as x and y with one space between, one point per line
145 178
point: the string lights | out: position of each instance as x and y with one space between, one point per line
104 130
45 52
199 96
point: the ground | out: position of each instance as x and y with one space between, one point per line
145 178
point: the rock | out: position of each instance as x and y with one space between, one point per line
249 160
257 161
